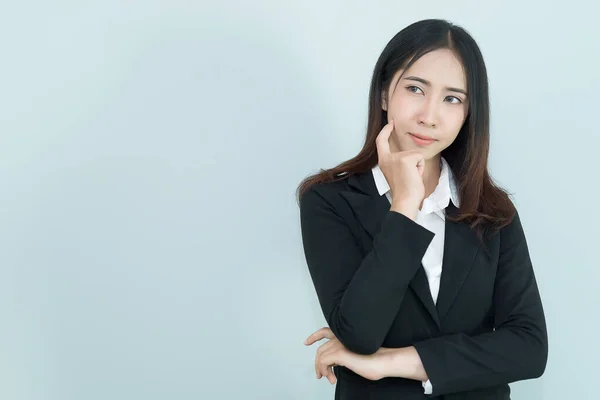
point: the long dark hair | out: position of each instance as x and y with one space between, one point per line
483 204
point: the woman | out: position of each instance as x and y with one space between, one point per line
419 260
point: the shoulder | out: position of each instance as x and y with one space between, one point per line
513 233
327 189
324 192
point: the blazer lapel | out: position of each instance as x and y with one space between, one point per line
420 285
370 209
461 246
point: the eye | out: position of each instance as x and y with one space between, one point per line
454 99
414 89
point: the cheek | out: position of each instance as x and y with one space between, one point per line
401 108
454 121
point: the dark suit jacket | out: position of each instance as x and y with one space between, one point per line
487 328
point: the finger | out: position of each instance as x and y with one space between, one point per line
333 379
322 333
326 346
382 140
421 165
413 158
322 349
329 360
325 363
412 155
330 375
314 337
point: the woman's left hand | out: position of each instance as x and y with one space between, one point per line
334 353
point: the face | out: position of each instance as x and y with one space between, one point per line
428 103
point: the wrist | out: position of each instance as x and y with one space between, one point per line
385 359
402 363
407 208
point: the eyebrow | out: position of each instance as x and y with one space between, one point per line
426 82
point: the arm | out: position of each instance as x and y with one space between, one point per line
359 297
516 350
402 363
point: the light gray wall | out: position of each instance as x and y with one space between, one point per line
149 153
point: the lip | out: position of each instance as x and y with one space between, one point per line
420 139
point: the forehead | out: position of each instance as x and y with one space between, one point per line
440 67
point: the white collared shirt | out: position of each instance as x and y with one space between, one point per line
431 216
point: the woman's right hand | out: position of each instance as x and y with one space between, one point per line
403 171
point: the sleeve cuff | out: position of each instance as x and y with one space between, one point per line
428 387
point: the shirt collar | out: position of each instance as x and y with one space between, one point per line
445 191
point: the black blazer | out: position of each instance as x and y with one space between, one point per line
487 329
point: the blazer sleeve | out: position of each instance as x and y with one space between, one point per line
517 349
359 295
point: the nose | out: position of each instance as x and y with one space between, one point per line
429 113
